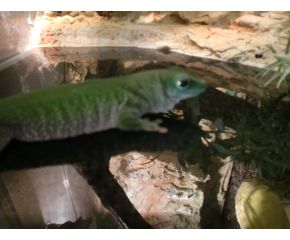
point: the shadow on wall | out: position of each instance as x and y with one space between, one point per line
91 153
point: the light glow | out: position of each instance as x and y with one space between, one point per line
37 26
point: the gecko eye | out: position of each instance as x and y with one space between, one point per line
183 83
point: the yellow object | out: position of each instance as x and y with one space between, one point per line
259 207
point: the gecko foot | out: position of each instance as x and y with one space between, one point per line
128 121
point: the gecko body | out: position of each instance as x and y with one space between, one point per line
95 105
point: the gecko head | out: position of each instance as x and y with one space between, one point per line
181 85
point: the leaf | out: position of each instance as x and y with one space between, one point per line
283 77
275 76
283 58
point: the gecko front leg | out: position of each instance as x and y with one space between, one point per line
131 121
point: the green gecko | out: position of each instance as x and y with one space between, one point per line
74 109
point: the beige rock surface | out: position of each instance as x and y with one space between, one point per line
165 194
238 41
162 192
222 49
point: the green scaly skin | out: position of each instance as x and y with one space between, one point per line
95 105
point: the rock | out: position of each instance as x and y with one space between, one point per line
260 23
210 18
164 193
